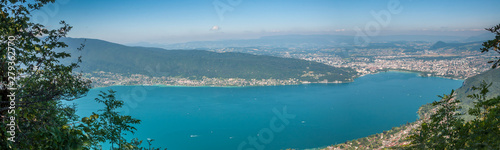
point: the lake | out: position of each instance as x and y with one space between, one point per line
274 117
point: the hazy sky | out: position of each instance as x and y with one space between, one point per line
171 21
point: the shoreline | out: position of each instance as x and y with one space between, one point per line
388 72
417 113
301 83
416 72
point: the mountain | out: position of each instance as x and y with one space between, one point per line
307 41
145 44
441 44
100 55
481 38
281 41
456 47
491 76
426 38
397 136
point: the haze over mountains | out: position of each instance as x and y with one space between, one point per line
191 61
196 63
301 41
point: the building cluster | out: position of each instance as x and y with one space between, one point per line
456 67
102 79
411 56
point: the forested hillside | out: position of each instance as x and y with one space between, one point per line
100 55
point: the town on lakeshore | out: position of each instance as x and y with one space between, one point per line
249 74
438 63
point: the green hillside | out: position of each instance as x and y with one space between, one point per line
490 76
100 55
397 136
456 47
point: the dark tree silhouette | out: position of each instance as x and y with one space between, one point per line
493 45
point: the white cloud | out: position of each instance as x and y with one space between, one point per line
215 28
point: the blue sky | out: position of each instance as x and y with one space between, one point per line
172 21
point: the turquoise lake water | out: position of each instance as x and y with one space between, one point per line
216 118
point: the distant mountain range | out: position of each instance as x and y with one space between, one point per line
481 38
457 47
100 55
305 41
472 43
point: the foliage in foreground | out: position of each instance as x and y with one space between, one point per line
442 125
109 125
34 82
447 130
